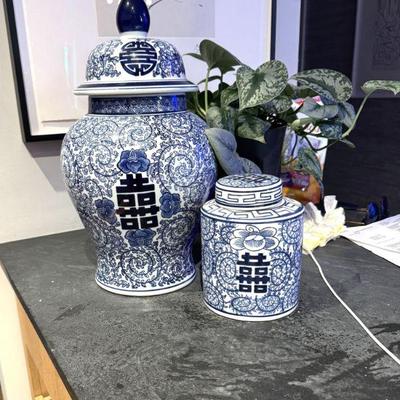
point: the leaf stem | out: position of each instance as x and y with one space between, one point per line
294 146
286 163
155 3
199 109
206 89
301 122
310 144
329 145
352 126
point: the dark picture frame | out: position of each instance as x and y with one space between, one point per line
19 78
30 122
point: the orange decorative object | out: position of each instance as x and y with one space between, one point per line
312 193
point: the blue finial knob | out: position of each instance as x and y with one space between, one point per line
133 16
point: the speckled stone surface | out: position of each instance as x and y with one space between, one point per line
171 347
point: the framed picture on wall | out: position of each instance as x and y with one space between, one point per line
51 40
376 44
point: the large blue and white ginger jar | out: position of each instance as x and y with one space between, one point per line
139 167
251 249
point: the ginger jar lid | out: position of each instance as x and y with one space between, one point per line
248 191
134 64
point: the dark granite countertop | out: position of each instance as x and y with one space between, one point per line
171 347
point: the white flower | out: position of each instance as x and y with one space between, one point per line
318 229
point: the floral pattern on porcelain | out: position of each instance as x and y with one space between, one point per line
133 161
140 237
251 257
170 204
103 62
102 156
169 61
223 257
138 105
106 210
117 60
235 181
254 239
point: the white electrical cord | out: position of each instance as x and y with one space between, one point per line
352 313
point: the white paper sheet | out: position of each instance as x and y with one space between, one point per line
381 238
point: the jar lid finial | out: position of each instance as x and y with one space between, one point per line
133 16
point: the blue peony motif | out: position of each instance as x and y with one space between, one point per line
253 239
106 211
142 237
133 161
170 204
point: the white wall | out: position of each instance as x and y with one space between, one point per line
33 201
288 33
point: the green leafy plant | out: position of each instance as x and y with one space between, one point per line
263 99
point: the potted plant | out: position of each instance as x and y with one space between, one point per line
247 119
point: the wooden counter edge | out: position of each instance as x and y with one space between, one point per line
43 376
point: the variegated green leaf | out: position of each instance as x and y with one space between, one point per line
230 118
289 91
331 130
262 85
308 161
249 167
223 118
389 86
278 105
217 94
326 82
214 117
314 110
252 111
224 145
252 127
229 95
346 114
217 57
301 92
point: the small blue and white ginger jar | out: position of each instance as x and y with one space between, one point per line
139 167
251 249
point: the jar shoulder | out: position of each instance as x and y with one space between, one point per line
145 118
142 130
285 210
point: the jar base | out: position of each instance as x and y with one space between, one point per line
249 318
148 292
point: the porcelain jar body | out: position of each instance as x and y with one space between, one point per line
138 170
251 253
